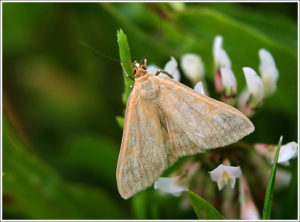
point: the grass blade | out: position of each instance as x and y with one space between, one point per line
203 209
126 63
270 188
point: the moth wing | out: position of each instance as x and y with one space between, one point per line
196 122
142 157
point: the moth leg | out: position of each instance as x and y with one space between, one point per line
131 87
127 75
165 72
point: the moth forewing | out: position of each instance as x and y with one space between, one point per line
165 120
142 156
208 123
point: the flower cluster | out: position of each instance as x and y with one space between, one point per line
259 87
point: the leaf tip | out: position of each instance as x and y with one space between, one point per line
281 138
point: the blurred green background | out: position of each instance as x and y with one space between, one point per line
60 98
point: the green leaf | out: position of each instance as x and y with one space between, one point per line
34 190
203 209
126 63
120 121
90 158
139 205
270 188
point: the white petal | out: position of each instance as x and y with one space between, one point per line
152 68
224 59
221 183
221 174
169 185
217 47
172 68
232 182
255 86
287 152
228 80
243 99
192 66
221 58
233 171
217 173
199 88
268 71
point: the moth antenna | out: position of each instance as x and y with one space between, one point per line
154 39
97 52
165 72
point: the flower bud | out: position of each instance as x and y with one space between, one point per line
192 67
248 208
268 71
228 81
255 87
221 58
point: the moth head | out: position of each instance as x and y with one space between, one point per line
140 70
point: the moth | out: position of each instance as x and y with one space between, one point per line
165 120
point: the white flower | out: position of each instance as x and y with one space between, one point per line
268 71
248 208
287 152
171 67
225 175
228 81
153 68
221 58
169 185
255 86
192 67
199 88
243 99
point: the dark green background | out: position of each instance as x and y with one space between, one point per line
60 98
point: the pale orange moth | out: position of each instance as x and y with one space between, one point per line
165 120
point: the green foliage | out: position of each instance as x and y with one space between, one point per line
270 188
203 209
125 62
34 190
120 121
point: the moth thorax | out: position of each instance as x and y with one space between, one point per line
149 88
140 73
